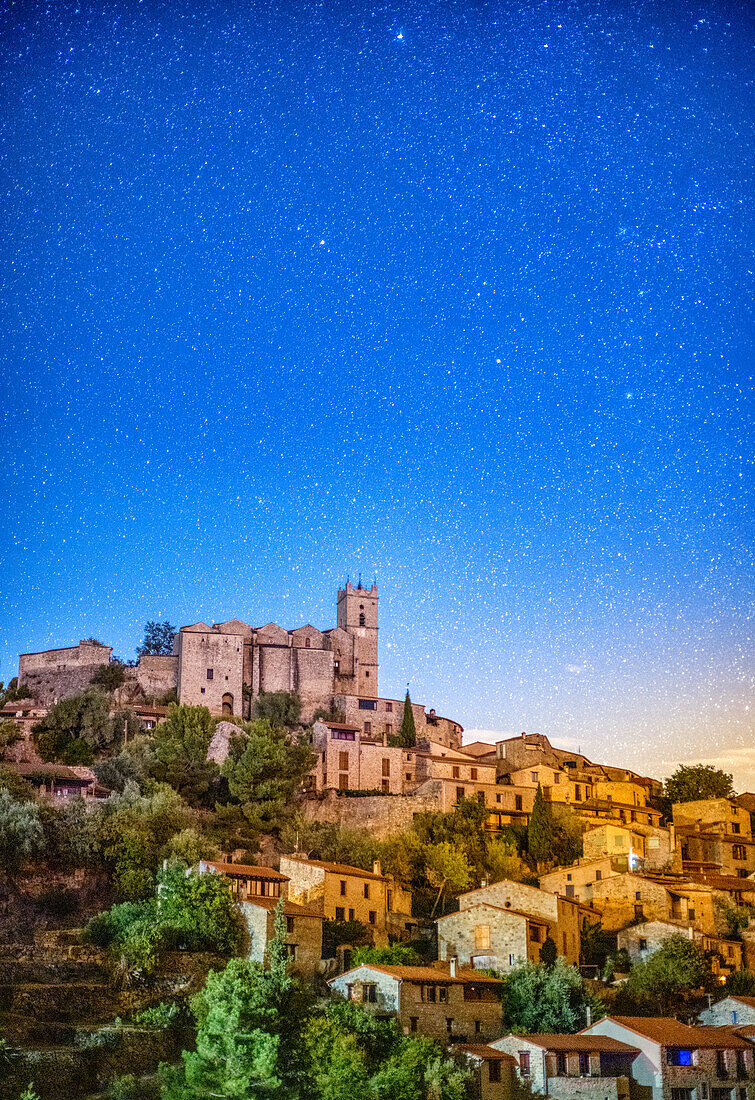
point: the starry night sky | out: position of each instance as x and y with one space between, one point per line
454 294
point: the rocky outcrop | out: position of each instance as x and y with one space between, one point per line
218 750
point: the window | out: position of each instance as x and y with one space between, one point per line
512 959
598 876
443 994
736 827
413 1021
362 619
535 933
643 945
738 851
306 643
741 1067
741 872
290 950
638 913
584 1063
343 761
478 1027
677 1057
429 994
367 890
351 914
533 777
556 777
517 802
494 1071
202 690
367 704
482 935
473 773
227 705
577 793
210 673
568 878
524 1063
369 994
459 794
638 895
481 797
455 773
449 1025
289 925
570 890
389 707
368 729
342 735
561 1064
681 1094
389 900
498 798
373 916
721 1070
690 914
340 913
618 840
343 887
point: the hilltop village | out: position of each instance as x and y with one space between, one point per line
545 923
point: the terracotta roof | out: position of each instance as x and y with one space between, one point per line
246 870
723 882
487 1053
427 974
290 908
478 748
668 1032
339 868
581 1042
340 726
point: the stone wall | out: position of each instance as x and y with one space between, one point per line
200 651
382 815
157 675
484 932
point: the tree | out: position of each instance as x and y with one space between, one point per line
548 952
406 737
21 833
691 782
446 866
264 768
502 860
249 1022
109 677
180 749
9 734
78 721
554 998
282 709
677 967
394 954
131 763
13 692
158 640
200 908
540 833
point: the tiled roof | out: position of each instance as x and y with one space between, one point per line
668 1032
549 1041
49 771
427 974
339 868
488 1053
246 870
478 748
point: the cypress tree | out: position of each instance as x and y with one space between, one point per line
540 830
407 735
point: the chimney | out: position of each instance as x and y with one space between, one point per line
452 967
376 867
588 1011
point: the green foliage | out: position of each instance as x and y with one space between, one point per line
12 693
180 749
731 919
352 1053
21 833
158 640
136 831
594 943
691 782
72 833
19 788
446 867
282 709
406 737
249 1020
166 1014
548 952
540 832
264 768
394 954
336 933
29 1094
10 733
741 983
554 998
124 1087
132 763
75 728
199 910
679 966
110 677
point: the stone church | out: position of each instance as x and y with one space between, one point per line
224 666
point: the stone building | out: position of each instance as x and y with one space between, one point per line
730 1011
714 836
649 847
572 1066
642 940
679 1062
629 898
577 881
343 893
225 665
441 1002
506 923
493 1070
349 761
248 881
303 932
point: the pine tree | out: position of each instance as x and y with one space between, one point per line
540 830
407 735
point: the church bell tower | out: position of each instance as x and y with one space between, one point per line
357 614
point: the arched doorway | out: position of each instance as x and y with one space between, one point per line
227 703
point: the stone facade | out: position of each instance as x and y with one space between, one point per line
642 940
439 1002
652 845
571 1066
730 1011
303 933
629 898
57 673
343 893
714 836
